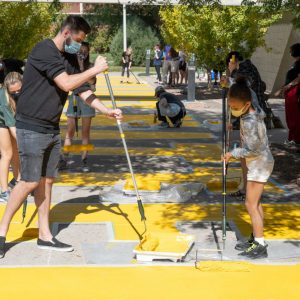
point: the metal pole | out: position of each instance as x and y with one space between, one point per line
119 123
148 59
124 28
224 169
191 79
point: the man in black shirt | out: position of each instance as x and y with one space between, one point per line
51 72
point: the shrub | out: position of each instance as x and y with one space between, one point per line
140 37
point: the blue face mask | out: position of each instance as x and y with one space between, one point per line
73 47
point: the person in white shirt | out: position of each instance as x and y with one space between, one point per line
169 109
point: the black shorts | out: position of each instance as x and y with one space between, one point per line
39 154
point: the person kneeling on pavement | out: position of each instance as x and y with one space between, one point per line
169 109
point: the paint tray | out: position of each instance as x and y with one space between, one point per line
170 246
144 185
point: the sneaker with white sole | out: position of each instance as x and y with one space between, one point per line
55 245
85 168
4 196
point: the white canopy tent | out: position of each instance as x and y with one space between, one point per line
124 3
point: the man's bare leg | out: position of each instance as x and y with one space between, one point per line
17 197
42 199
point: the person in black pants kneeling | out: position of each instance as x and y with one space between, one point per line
169 108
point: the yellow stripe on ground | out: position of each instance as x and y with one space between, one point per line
191 152
209 176
148 283
113 135
123 89
280 219
146 104
101 120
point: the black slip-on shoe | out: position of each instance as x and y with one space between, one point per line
255 251
55 245
243 245
2 246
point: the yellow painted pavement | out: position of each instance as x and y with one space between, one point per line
209 176
114 134
101 120
248 282
282 221
124 89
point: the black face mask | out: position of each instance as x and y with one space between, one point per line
15 96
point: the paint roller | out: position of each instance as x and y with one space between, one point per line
148 242
137 81
119 124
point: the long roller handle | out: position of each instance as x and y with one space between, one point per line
75 113
224 169
119 123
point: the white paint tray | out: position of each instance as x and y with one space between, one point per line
171 246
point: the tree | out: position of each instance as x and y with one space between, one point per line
274 6
212 31
23 25
139 36
269 6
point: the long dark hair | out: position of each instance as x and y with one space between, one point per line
86 62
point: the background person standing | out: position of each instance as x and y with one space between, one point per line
291 91
126 63
84 111
157 62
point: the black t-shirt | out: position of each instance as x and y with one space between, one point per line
293 72
11 65
127 57
182 65
41 101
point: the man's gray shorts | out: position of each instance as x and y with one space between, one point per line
39 154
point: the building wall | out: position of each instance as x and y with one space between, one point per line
274 60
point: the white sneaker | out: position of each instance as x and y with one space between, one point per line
288 143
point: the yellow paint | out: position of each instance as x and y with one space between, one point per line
148 283
101 120
281 220
165 242
191 152
114 134
148 104
143 184
78 148
225 266
212 177
214 122
123 89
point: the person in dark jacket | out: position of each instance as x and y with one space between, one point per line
240 67
169 108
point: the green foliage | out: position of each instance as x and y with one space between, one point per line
212 31
23 25
106 19
291 7
139 36
100 39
